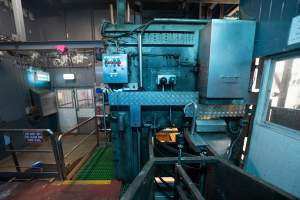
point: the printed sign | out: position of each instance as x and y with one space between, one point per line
33 137
294 36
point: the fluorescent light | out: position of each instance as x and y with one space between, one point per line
69 76
42 76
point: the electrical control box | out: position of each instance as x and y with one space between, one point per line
226 49
115 68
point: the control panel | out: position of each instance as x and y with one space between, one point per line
115 68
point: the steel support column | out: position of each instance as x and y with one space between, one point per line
19 19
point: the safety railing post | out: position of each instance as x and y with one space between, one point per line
59 159
97 131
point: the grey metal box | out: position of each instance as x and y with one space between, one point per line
45 101
226 48
115 68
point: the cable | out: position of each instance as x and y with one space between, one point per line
233 144
140 28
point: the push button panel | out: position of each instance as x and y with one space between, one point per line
115 68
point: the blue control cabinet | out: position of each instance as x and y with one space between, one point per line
115 68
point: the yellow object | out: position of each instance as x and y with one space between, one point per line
87 182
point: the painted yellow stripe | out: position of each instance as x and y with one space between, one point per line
87 182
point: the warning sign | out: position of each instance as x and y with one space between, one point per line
33 137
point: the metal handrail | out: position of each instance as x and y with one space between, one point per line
76 127
54 143
180 172
79 143
76 146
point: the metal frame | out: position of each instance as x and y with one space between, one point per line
135 101
5 46
55 150
145 174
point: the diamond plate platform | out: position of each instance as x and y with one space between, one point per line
216 110
137 99
153 98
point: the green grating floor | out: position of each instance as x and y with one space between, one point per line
98 167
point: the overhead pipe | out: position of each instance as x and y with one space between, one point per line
128 12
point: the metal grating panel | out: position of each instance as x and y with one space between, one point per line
99 167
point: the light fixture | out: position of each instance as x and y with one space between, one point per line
69 76
42 76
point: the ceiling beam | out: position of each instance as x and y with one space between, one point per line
215 1
196 1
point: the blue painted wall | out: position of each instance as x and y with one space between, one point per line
273 23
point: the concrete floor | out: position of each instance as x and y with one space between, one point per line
27 159
40 190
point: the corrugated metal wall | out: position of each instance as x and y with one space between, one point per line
274 20
79 24
7 26
67 25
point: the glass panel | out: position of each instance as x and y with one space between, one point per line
85 98
284 103
65 99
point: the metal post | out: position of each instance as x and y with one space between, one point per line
97 131
58 155
104 114
121 8
194 117
140 37
14 156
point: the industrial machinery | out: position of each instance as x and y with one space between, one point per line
187 75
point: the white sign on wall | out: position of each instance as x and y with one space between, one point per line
33 137
294 36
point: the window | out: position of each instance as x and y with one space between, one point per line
284 100
65 99
85 98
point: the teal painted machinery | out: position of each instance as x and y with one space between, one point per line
179 73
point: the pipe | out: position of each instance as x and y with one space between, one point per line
112 16
180 21
194 117
189 183
128 12
140 58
